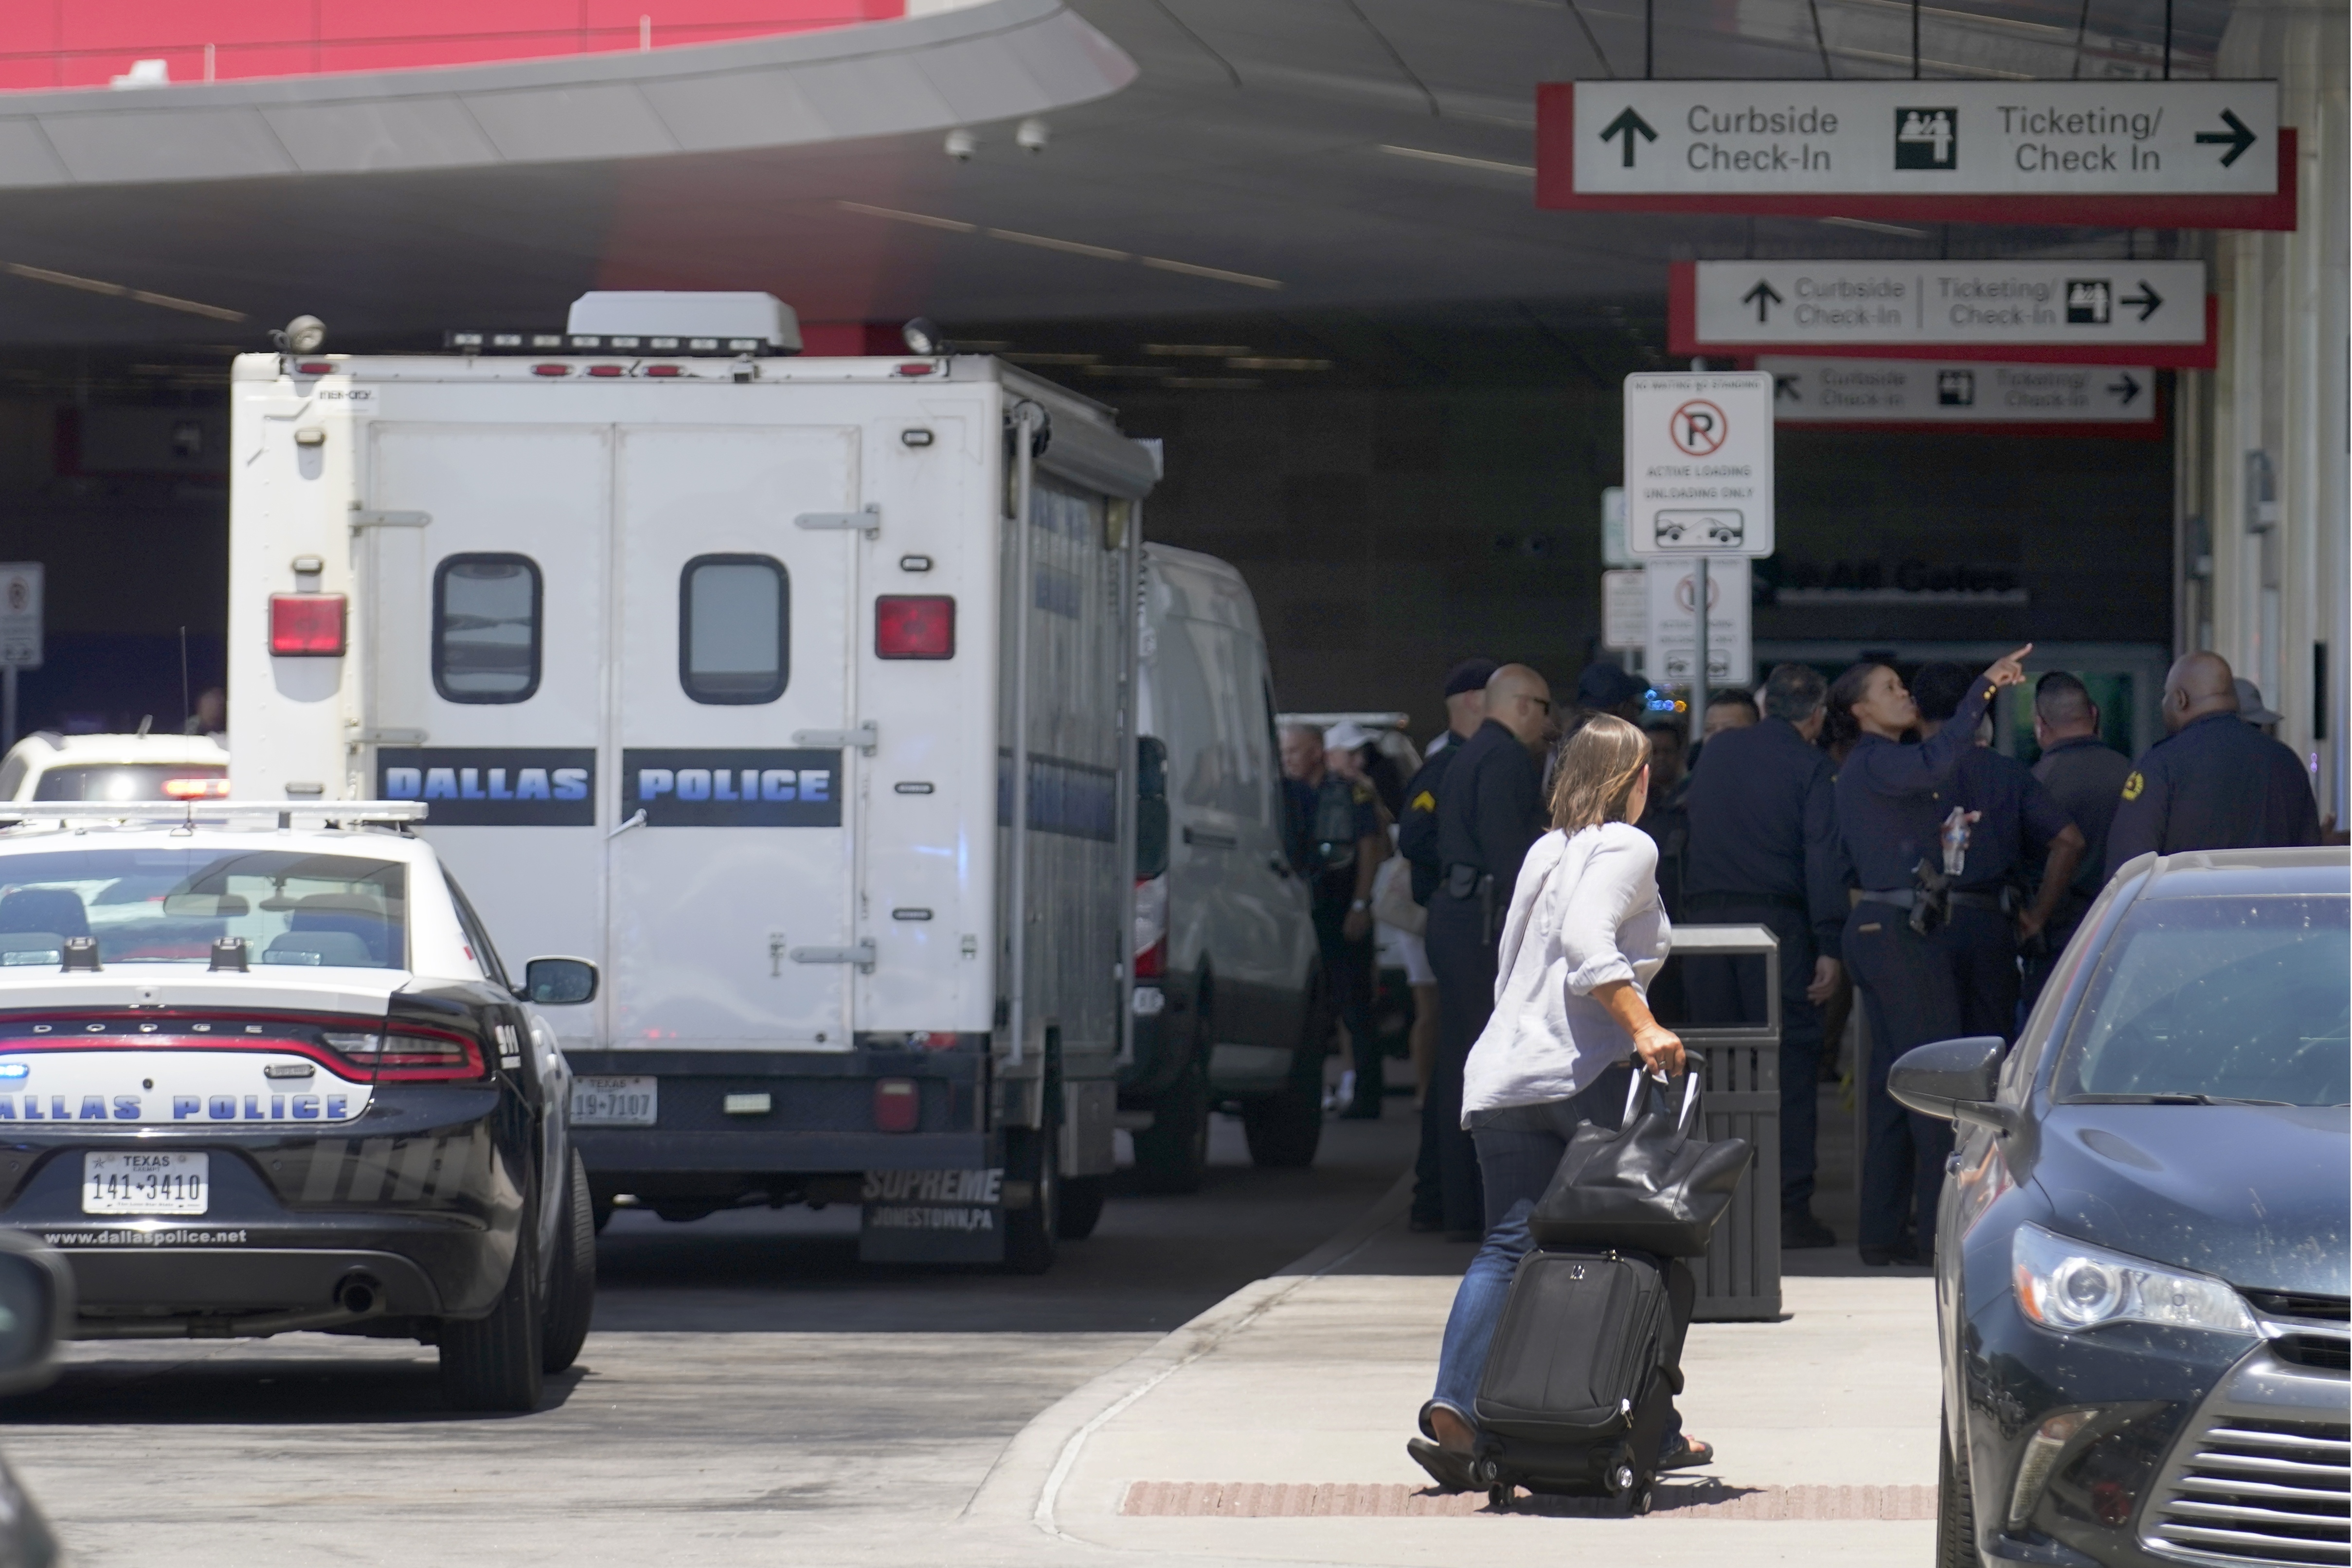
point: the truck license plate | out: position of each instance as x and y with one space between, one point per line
616 1101
145 1183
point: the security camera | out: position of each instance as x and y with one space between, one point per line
1030 135
962 145
302 335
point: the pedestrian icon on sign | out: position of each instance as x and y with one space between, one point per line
1927 139
1698 427
2090 302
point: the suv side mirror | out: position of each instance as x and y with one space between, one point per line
559 982
1953 1078
37 1309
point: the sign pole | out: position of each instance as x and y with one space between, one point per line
1699 663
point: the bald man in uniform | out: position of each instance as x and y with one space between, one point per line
2215 782
1490 813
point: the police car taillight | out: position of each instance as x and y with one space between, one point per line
306 625
898 1105
411 1055
195 788
914 626
1151 927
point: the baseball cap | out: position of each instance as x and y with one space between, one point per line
1606 686
2249 705
1470 675
1345 736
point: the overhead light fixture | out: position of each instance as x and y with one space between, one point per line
961 144
1487 165
1032 135
1876 227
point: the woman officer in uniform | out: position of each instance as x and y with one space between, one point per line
1893 800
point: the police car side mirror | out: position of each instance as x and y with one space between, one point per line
559 982
37 1307
1953 1078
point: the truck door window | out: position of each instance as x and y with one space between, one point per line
734 617
486 628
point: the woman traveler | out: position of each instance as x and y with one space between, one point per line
1894 802
1585 934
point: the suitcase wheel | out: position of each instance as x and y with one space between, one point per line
1499 1498
1639 1500
1490 1471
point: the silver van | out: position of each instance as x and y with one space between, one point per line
1229 993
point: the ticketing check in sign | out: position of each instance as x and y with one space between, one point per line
2147 153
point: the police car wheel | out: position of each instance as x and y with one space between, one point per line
493 1363
572 1284
1032 1231
1082 1207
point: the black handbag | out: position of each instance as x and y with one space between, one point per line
1647 1186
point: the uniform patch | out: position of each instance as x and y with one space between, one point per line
2133 785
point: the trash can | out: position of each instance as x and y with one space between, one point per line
1740 1278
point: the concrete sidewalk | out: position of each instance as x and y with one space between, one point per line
1272 1429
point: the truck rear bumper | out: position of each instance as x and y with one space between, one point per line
613 1153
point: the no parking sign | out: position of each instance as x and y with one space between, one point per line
1698 464
20 615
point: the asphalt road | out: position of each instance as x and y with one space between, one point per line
750 1394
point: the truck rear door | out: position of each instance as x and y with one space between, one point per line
731 867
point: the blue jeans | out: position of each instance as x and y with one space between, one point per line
1519 1148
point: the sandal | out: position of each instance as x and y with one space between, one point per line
1690 1454
1449 1467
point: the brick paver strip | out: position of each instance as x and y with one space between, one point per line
1704 1501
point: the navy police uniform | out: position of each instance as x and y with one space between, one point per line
1892 800
1763 851
1348 965
2017 818
1490 813
2085 776
2219 783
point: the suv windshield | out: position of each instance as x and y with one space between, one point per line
160 905
2222 998
130 781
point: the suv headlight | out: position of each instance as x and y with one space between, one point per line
2065 1284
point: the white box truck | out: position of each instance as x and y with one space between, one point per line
733 671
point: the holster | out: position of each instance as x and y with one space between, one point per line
1931 901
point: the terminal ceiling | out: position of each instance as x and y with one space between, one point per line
1288 157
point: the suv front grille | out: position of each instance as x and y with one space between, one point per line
2302 1305
2248 1489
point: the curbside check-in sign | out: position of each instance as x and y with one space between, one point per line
2163 154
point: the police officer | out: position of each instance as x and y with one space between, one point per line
1492 810
1416 840
2214 783
2085 776
1764 852
1344 845
1893 800
2011 816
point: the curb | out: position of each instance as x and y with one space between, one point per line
1025 1484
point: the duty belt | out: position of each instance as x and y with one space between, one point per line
1908 897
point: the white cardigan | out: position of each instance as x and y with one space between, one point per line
1585 912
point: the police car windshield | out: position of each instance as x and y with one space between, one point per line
2238 998
167 905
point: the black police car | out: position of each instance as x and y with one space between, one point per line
257 1079
2142 1253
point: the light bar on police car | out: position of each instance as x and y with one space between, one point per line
214 810
471 342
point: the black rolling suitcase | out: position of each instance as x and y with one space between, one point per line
1581 1376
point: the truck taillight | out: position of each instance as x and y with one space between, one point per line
914 626
306 625
898 1106
1151 927
195 788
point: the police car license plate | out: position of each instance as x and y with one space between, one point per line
145 1183
616 1101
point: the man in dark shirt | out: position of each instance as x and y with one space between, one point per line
2216 782
1416 839
2085 776
2014 819
1344 845
1491 813
1764 852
